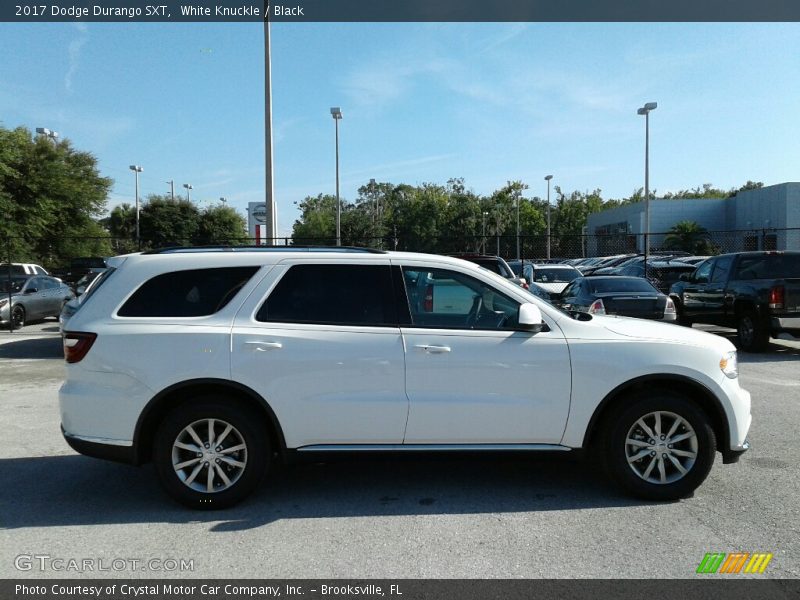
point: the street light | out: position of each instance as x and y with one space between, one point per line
53 135
483 241
136 170
547 178
518 194
645 110
223 200
336 113
188 187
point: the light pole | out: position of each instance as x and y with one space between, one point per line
518 194
336 113
483 239
645 110
547 178
188 187
49 133
223 200
171 183
136 170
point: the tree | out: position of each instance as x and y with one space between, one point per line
688 236
50 198
167 222
221 225
122 226
317 222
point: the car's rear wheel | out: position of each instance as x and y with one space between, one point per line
752 336
211 454
18 317
659 447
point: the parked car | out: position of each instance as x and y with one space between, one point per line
24 299
606 262
617 295
553 278
78 267
84 282
692 260
756 292
22 269
661 274
496 264
216 364
71 307
658 256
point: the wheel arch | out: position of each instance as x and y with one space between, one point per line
691 388
179 393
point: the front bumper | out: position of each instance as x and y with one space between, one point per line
733 456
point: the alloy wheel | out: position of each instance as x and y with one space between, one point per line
661 447
209 455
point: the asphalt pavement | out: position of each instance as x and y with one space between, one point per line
389 518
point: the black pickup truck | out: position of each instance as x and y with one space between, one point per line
758 293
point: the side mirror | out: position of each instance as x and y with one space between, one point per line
685 277
530 318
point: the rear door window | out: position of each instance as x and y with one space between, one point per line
360 295
194 293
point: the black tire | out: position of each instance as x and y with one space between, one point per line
615 450
18 317
751 334
248 429
682 318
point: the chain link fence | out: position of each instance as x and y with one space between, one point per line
51 254
532 247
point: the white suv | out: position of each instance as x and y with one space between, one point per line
214 363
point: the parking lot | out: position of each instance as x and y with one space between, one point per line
442 518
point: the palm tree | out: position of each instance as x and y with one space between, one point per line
688 236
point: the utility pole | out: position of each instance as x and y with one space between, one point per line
171 183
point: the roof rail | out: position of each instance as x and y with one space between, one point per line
198 249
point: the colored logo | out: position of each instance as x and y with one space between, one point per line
735 562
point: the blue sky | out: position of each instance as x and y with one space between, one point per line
421 103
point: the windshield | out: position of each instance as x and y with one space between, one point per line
564 275
620 284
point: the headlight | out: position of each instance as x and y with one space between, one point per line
728 365
3 302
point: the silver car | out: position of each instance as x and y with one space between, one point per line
24 299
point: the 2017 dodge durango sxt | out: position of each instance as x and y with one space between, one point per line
214 363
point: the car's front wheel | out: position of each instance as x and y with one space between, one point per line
18 317
211 454
660 446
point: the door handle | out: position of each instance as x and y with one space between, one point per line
433 349
263 346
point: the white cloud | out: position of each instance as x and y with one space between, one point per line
74 54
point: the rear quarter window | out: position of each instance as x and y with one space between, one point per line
193 293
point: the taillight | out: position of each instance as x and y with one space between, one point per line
597 308
776 297
427 301
669 309
76 345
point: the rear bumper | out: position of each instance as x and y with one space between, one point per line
98 449
787 324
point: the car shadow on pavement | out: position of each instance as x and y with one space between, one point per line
74 490
43 347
